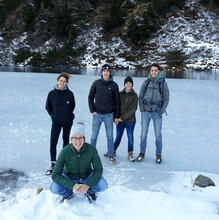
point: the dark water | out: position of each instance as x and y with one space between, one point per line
175 74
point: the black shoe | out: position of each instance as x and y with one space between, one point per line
91 197
68 198
49 171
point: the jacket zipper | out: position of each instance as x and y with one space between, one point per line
152 97
78 164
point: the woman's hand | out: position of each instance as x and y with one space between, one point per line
82 188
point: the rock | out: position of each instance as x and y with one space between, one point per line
203 181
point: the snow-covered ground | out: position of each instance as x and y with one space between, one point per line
136 190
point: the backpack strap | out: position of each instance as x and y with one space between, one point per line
161 90
161 87
146 84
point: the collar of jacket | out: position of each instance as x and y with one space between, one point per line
109 80
156 79
131 92
57 88
82 149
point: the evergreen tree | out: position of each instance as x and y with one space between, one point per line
6 7
115 17
62 21
134 32
72 33
29 19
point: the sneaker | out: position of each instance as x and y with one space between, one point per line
112 160
91 197
106 154
130 156
158 159
68 198
49 171
140 157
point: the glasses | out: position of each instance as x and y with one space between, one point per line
77 138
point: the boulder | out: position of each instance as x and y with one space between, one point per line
203 181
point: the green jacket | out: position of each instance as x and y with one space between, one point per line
128 105
78 166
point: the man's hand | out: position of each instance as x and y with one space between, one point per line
94 113
117 120
82 188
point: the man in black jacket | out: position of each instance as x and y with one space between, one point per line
104 104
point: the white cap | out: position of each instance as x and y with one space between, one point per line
78 129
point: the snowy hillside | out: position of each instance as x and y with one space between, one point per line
193 31
197 36
143 190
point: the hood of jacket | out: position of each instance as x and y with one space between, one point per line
109 80
57 88
156 79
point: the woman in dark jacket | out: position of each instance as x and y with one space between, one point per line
60 105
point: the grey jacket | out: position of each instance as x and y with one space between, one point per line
150 98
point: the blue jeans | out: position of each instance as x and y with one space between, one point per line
56 188
119 132
107 119
145 121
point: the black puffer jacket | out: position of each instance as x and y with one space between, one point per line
104 97
60 105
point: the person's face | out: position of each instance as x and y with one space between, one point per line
154 71
105 74
62 83
128 86
77 141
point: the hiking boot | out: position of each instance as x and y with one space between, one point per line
140 157
106 154
91 197
130 156
158 159
68 198
49 171
112 160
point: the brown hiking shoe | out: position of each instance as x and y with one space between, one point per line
158 159
140 157
130 156
106 154
112 160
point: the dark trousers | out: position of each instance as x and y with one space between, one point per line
119 132
55 132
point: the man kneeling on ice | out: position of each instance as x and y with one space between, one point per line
78 168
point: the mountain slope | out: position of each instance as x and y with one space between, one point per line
43 35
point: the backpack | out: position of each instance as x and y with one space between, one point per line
161 88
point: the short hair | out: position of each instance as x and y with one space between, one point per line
65 75
155 65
